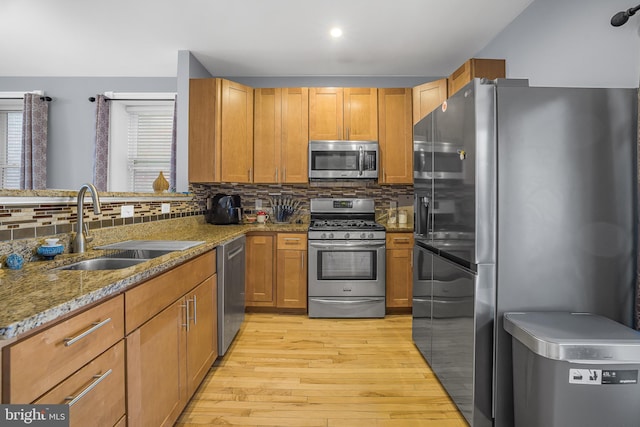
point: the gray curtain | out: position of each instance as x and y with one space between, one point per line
101 152
172 172
35 116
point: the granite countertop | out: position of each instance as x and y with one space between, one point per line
38 294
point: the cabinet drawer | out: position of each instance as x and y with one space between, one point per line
39 362
399 240
97 391
150 298
292 241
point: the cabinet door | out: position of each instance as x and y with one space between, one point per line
260 270
360 114
156 368
399 273
204 130
295 136
97 391
202 334
292 278
428 96
396 136
326 113
236 132
267 135
291 283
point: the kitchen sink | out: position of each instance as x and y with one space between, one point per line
116 260
103 263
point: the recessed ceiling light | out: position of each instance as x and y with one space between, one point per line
336 32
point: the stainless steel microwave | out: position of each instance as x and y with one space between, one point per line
343 159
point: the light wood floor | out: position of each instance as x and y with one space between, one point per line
289 370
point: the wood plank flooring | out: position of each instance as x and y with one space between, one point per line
289 370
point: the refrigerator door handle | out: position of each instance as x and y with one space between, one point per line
422 215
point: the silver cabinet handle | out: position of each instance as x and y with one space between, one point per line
94 327
302 260
98 379
195 310
186 309
401 239
276 174
291 239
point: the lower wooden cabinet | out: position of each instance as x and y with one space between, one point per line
291 283
260 270
95 393
399 277
36 364
169 355
276 270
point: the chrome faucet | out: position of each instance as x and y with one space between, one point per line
82 233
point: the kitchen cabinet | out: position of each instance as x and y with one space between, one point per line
343 114
260 270
399 269
220 131
174 340
276 270
35 365
476 67
428 96
395 136
291 286
281 134
95 393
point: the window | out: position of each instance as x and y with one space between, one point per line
140 144
10 143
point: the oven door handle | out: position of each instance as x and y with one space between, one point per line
336 301
357 244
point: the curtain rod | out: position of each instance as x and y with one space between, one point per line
93 99
44 98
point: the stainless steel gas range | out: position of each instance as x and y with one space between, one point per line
346 259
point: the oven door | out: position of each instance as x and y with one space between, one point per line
346 268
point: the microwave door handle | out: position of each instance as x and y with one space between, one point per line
361 161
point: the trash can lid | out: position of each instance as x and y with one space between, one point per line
574 337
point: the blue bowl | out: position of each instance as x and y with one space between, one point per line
14 262
49 252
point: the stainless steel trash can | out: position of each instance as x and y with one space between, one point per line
574 370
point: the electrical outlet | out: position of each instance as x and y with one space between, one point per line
126 211
258 204
165 208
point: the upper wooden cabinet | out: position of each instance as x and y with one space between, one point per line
427 97
475 67
220 131
396 136
281 134
343 114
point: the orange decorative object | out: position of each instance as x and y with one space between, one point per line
160 184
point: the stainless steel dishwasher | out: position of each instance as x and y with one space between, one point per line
230 266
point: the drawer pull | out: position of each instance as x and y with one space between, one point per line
95 326
98 379
195 310
401 239
288 240
186 308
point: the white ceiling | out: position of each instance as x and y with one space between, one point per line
247 37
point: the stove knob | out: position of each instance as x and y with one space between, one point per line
371 235
346 235
331 235
363 235
323 236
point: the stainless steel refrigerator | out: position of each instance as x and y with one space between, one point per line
525 200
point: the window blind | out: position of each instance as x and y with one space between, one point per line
10 148
149 146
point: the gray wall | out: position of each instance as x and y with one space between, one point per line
570 43
72 119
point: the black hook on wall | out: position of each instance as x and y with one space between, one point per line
621 18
